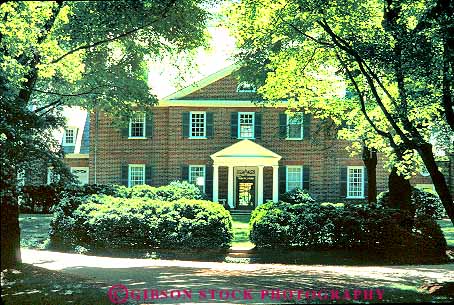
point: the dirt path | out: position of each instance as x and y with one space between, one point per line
398 283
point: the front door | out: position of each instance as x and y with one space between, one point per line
245 193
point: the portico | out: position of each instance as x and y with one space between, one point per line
245 161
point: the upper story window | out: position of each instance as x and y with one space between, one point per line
245 87
294 177
355 182
69 136
295 128
246 125
136 174
197 124
137 126
197 176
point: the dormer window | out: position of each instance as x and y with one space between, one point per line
69 136
245 87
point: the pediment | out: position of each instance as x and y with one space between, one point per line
245 149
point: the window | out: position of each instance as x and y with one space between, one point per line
294 177
246 125
355 182
69 136
198 124
295 127
197 176
52 177
136 174
137 126
245 87
81 174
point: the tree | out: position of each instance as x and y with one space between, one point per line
395 55
90 54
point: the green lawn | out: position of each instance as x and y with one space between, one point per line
34 230
448 230
241 231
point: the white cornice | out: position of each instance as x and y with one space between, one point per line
76 156
217 103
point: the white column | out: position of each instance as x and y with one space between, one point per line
215 183
275 184
230 187
260 186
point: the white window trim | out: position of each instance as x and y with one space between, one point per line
74 129
286 176
301 133
144 128
204 174
129 172
239 125
204 125
348 182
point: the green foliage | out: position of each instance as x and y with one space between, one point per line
371 229
297 196
299 52
105 222
426 204
174 191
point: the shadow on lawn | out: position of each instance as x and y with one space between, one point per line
397 283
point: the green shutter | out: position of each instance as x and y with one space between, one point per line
343 182
306 177
258 125
307 126
282 125
149 125
209 125
125 131
209 181
282 179
149 174
234 125
185 127
124 174
185 173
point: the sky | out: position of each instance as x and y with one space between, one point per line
165 79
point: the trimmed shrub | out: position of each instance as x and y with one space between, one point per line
297 196
176 190
370 229
105 222
425 203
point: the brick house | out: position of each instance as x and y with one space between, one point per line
214 135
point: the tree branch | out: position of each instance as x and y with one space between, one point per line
363 103
127 33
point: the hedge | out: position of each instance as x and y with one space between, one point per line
425 203
43 198
106 222
372 229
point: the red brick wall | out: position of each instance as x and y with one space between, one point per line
76 162
167 151
223 89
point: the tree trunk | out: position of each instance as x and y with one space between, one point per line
438 179
399 191
10 232
370 162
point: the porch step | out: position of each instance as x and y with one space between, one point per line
240 212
